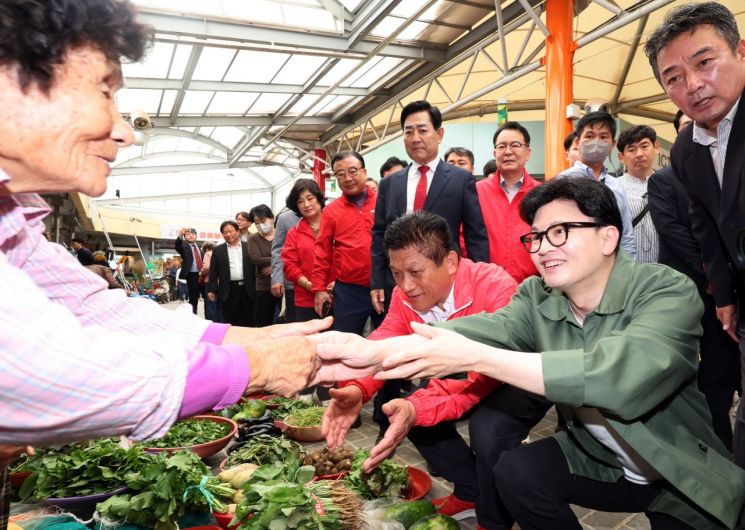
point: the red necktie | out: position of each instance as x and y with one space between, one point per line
421 189
197 257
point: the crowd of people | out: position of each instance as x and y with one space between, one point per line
588 291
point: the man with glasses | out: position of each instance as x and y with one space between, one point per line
500 196
613 343
342 253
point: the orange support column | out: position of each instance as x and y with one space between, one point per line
559 80
318 167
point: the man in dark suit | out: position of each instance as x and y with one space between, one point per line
719 371
84 255
191 263
446 190
699 59
232 277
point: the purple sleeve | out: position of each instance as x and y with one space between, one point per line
215 333
217 375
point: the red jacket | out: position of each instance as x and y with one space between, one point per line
344 243
297 258
478 287
504 225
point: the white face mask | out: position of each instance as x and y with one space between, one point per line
264 228
594 151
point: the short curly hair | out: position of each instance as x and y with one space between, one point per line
36 35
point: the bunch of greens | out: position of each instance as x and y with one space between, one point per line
282 495
285 406
80 469
264 449
389 479
309 417
191 432
164 489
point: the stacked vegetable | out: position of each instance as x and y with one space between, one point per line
307 417
282 406
330 461
191 432
388 479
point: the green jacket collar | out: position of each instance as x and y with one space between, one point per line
556 306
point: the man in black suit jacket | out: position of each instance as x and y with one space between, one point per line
699 59
186 246
236 290
719 371
450 193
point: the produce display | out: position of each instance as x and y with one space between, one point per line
79 469
253 408
164 489
263 449
388 479
307 417
408 513
284 406
248 429
330 461
191 432
436 522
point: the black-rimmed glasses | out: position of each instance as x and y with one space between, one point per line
556 234
352 172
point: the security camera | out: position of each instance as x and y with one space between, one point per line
598 105
140 120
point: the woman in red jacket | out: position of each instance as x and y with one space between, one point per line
306 200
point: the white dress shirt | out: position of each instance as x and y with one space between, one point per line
413 180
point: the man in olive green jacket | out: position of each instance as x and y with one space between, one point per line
617 347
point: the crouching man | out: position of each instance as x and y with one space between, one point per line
614 344
434 284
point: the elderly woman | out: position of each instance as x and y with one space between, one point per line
59 73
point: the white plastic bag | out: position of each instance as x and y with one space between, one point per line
374 514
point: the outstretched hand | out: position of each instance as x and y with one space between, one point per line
401 415
342 410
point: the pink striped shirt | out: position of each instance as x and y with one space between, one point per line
78 360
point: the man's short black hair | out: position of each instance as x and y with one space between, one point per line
36 35
77 240
231 223
635 134
490 167
262 210
593 199
511 126
427 232
419 106
300 187
391 163
341 155
460 151
676 121
569 140
592 118
686 19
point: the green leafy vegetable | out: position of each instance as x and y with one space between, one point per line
309 417
191 432
80 469
389 479
287 406
264 449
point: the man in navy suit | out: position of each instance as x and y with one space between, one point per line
698 57
426 184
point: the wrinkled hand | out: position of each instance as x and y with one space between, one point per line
247 337
434 353
320 298
283 366
378 300
346 356
401 415
727 315
342 410
277 290
11 453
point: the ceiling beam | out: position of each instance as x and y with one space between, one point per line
196 51
227 86
337 9
185 168
369 17
205 28
238 121
177 196
168 131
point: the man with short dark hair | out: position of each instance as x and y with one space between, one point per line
461 157
596 137
613 343
719 369
191 263
571 149
500 196
342 248
698 57
84 255
390 166
637 149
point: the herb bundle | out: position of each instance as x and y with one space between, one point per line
264 449
389 479
191 432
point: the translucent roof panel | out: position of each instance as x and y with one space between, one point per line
227 135
196 101
130 99
166 103
362 70
351 5
268 103
413 30
255 66
155 64
338 72
304 103
180 59
298 69
377 72
213 63
387 26
232 103
408 7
